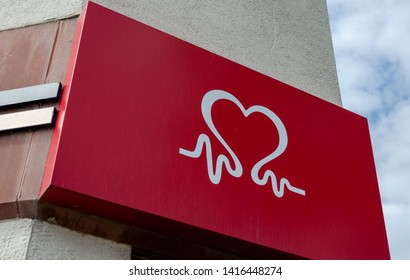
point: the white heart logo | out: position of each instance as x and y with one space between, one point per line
203 141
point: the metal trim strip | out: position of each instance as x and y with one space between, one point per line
19 96
28 119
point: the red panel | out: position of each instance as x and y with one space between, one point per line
147 120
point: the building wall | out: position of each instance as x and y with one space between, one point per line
35 240
287 40
14 238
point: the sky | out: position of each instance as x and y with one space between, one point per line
371 40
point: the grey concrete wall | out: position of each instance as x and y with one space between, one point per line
287 40
14 238
54 242
31 239
19 13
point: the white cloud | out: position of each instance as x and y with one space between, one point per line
396 216
371 40
391 140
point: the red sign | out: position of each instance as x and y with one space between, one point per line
159 133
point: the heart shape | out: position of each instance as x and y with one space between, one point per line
203 141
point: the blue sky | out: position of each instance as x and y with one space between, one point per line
371 40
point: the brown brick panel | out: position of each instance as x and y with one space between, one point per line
29 56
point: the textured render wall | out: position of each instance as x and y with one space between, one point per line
19 13
54 242
14 238
32 239
287 40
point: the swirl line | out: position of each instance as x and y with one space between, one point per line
214 175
